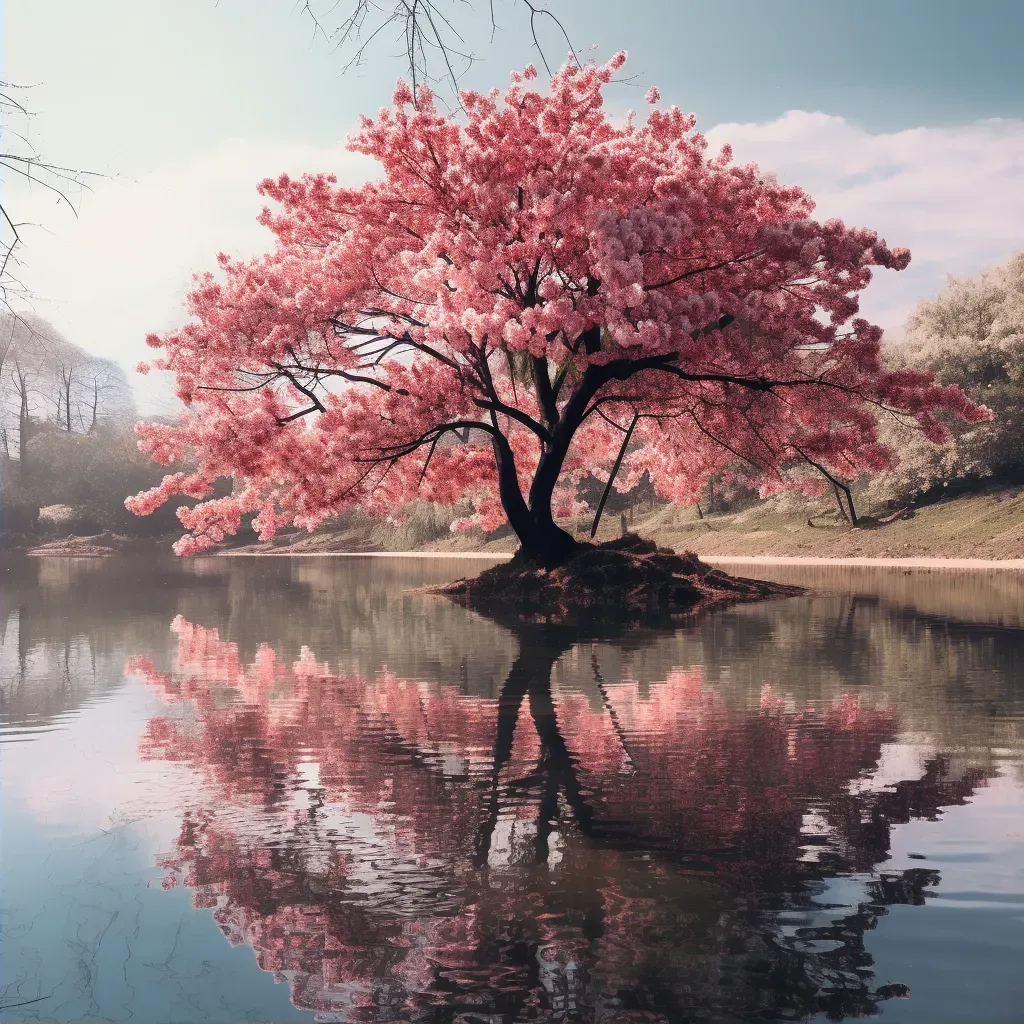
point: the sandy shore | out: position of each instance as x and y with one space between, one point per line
895 563
493 556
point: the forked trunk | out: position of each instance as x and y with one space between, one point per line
547 545
541 540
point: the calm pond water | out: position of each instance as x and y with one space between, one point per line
289 789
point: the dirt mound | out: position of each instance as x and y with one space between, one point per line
97 546
625 580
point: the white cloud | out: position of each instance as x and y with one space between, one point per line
954 196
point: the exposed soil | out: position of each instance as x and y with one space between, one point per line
628 580
73 547
97 546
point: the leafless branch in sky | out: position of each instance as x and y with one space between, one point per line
21 162
430 32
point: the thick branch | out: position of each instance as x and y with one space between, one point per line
545 393
516 414
353 378
282 420
317 404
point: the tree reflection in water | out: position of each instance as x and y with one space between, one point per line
397 850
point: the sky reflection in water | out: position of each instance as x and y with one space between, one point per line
405 812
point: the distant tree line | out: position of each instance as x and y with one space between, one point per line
48 382
66 436
970 334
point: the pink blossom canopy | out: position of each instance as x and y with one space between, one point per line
523 287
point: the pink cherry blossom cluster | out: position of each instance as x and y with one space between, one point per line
517 286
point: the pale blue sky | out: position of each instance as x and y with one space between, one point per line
128 84
186 104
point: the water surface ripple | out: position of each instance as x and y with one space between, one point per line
293 789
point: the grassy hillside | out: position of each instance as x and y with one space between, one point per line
986 525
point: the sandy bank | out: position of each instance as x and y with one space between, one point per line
500 556
897 563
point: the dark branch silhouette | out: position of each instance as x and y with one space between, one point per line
20 161
433 44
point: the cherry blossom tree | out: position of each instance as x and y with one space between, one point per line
530 293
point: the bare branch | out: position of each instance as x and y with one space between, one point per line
298 415
427 34
22 161
317 404
516 414
839 485
398 451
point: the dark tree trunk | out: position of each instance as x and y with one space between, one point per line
548 544
851 515
839 503
541 540
853 510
